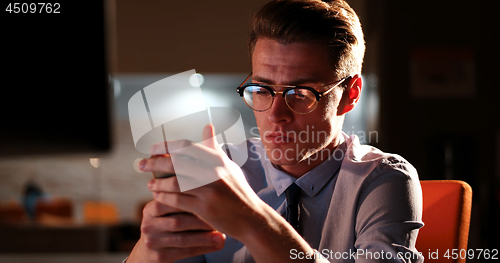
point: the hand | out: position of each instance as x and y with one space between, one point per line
228 204
169 234
225 204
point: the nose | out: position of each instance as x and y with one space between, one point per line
279 111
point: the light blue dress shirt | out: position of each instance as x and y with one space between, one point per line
359 205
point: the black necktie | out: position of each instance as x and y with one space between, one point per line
292 208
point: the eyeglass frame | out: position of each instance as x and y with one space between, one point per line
316 93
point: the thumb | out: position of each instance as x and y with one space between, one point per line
208 137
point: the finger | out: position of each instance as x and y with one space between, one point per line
164 185
208 137
188 173
197 152
170 146
163 147
173 223
159 174
181 201
161 163
185 240
185 149
157 209
188 168
162 175
159 148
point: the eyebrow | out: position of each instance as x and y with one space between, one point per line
296 82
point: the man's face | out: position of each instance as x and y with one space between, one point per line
289 137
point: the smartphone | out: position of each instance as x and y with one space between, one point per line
159 175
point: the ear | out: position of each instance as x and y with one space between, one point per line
351 95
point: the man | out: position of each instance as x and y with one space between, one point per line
342 200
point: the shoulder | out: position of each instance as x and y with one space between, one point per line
381 181
365 168
370 161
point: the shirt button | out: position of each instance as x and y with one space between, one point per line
312 187
281 186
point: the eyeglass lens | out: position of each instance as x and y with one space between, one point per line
261 99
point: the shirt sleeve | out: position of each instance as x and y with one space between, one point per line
389 216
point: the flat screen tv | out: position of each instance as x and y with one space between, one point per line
55 96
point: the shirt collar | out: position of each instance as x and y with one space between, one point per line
313 181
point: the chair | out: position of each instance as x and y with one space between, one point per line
95 212
12 213
56 206
446 214
54 211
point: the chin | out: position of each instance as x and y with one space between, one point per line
287 155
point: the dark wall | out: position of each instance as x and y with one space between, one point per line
172 36
446 134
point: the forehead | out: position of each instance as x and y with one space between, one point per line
287 62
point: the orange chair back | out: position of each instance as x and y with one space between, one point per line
12 213
56 206
446 215
100 212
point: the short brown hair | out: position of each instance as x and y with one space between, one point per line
331 23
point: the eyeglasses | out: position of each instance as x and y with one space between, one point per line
300 99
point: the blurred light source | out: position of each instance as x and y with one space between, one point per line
136 165
196 80
95 162
117 87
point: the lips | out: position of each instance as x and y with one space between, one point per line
278 137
